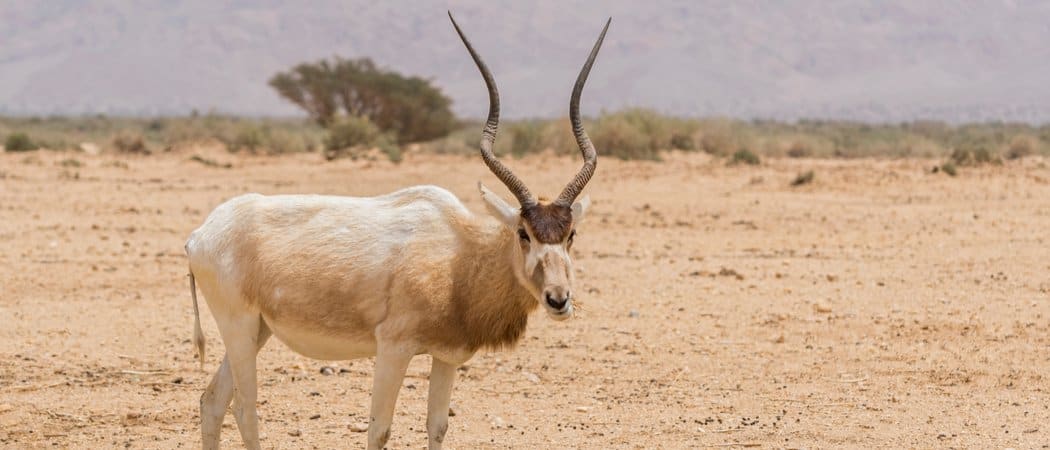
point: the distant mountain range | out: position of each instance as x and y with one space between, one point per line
870 60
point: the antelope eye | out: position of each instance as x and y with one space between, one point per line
523 235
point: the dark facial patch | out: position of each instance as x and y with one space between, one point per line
550 223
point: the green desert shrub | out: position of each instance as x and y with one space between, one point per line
410 108
972 156
248 137
19 142
525 137
352 136
1021 146
744 156
622 137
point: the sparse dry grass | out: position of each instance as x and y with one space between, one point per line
631 134
254 135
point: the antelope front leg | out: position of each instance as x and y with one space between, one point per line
442 375
391 364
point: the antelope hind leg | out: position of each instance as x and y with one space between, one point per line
217 396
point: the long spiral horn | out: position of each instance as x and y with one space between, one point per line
488 134
590 156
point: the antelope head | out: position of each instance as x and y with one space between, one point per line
544 231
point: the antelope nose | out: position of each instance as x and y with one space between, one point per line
557 301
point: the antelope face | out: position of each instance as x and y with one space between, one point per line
544 231
542 259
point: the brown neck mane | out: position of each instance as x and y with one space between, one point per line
489 301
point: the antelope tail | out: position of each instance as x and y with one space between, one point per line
198 334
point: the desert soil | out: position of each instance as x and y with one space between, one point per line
879 306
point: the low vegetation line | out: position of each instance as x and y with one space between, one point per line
632 134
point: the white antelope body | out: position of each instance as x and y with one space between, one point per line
393 276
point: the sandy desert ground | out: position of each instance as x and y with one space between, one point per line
880 306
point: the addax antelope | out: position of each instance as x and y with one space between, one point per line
393 276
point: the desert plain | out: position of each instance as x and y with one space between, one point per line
879 306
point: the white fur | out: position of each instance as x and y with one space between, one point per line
375 252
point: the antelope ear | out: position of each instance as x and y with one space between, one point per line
579 208
509 215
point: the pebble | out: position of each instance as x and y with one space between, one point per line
821 308
327 370
632 314
531 377
295 433
6 407
583 408
497 422
358 427
451 412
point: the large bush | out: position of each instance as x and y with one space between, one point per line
409 107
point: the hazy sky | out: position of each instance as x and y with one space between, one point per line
879 60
